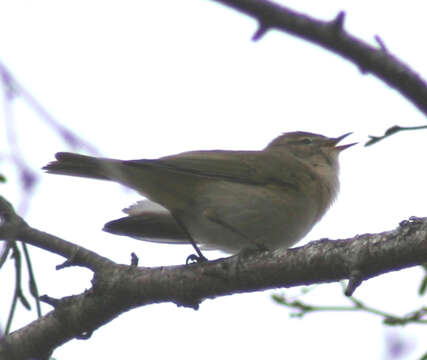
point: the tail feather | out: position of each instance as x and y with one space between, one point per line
154 227
156 183
84 166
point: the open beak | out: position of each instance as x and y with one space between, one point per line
342 147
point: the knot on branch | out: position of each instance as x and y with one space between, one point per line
261 31
354 281
49 300
337 24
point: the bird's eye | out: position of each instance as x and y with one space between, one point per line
306 141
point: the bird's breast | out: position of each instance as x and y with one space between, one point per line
233 216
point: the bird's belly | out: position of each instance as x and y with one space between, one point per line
231 216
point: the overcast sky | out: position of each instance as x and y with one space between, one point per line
147 79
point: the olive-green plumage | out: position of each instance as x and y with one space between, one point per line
227 200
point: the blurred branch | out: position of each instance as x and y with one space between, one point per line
12 89
119 288
301 308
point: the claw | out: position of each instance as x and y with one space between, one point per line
195 259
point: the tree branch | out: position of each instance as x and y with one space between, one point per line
12 228
119 288
332 36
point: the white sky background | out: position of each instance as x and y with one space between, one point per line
147 79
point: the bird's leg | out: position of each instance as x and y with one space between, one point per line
196 258
199 257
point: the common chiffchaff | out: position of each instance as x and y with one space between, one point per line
226 200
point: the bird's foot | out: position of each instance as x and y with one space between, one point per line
193 258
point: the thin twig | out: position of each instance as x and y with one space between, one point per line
303 308
12 89
32 279
18 294
391 131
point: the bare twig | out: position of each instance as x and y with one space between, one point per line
391 131
380 43
32 279
302 308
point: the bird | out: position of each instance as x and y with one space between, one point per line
221 199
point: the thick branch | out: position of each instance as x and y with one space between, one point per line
12 228
119 288
332 36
